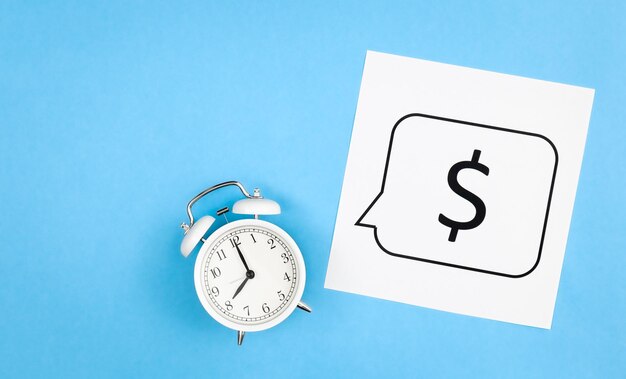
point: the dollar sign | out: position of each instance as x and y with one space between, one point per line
455 226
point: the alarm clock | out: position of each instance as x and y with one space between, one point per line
249 273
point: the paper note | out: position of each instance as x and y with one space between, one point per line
459 189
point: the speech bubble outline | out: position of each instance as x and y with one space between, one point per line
467 123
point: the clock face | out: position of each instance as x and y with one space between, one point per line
249 275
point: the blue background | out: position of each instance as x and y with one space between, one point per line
114 114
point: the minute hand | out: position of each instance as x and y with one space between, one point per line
242 258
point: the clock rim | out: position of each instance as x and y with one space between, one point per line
301 280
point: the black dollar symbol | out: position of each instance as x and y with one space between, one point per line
455 226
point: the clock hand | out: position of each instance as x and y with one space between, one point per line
242 259
238 279
240 287
249 273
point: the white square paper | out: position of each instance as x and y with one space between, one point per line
459 189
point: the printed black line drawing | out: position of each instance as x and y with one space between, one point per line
476 201
453 235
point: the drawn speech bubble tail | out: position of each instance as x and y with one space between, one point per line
367 220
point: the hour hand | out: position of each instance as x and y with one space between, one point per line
240 287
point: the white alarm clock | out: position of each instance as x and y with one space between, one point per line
249 274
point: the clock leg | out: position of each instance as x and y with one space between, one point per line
240 335
304 307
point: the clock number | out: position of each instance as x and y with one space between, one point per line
221 255
229 306
253 239
281 295
265 308
287 278
215 291
271 243
285 257
235 241
216 272
247 308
